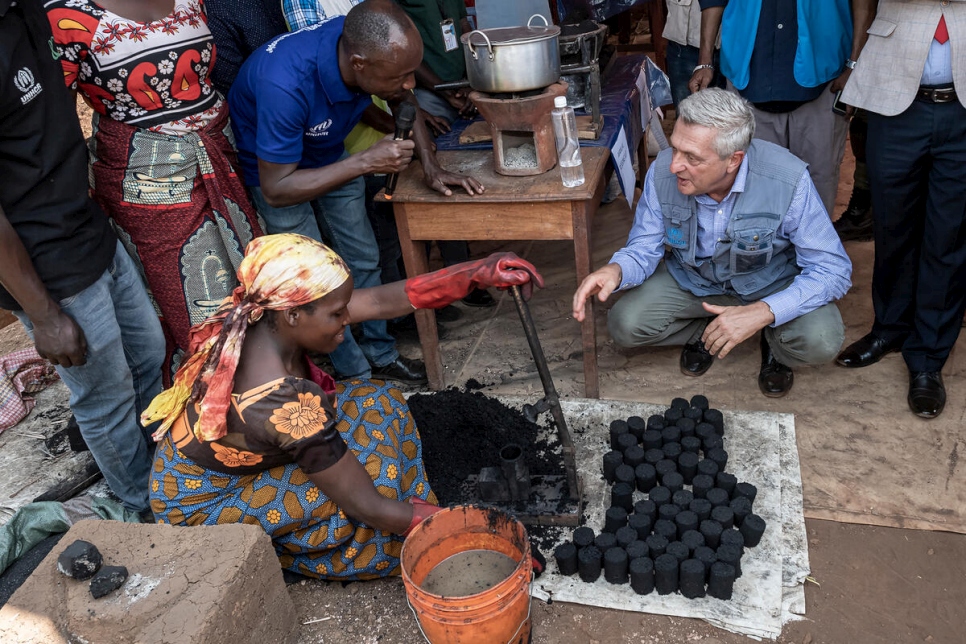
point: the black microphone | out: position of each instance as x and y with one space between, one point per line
405 117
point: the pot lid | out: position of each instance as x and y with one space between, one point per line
510 35
570 30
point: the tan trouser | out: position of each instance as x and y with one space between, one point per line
660 313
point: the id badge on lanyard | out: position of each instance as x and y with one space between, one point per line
449 34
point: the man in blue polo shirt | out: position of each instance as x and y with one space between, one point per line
789 70
293 103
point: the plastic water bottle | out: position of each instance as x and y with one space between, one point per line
568 145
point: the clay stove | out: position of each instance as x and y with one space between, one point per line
522 129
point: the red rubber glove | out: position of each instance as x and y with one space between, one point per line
421 510
501 270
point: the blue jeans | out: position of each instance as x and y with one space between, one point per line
339 219
681 61
125 349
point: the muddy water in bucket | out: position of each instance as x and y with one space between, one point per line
469 538
468 573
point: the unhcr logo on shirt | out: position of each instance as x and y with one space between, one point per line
320 129
24 81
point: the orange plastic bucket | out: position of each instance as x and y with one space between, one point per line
498 615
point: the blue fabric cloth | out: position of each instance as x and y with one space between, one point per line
125 349
825 267
289 103
339 219
799 46
239 28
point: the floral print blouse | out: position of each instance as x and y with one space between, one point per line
152 75
288 420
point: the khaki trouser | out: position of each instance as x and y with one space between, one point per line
660 313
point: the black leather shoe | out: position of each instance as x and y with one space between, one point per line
480 298
775 379
927 395
855 224
404 370
695 359
868 349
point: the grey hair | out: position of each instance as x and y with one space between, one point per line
725 112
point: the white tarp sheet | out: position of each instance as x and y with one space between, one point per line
762 451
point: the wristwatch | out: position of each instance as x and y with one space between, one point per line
711 67
850 63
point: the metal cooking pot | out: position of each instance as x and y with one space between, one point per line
512 59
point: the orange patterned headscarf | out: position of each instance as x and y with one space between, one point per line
279 272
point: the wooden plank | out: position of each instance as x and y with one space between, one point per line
480 132
491 221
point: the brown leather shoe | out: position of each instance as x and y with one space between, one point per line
775 379
695 359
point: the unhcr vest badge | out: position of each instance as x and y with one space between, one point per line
24 81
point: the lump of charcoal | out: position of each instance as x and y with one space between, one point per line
80 560
107 580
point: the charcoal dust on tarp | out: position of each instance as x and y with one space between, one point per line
464 431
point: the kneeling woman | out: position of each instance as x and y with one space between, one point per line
253 432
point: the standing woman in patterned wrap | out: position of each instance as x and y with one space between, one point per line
162 155
253 432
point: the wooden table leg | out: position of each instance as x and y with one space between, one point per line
583 213
414 257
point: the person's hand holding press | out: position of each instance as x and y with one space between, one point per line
445 286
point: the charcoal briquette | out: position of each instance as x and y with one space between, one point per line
678 550
625 536
618 428
688 466
692 578
707 467
589 564
717 496
645 477
656 422
680 403
80 560
670 434
691 444
626 440
642 575
672 451
730 554
660 495
752 528
701 485
615 566
702 508
652 439
107 580
622 495
719 456
746 490
673 415
636 425
605 541
614 518
711 531
656 545
726 481
624 474
641 523
693 540
654 455
668 511
612 460
716 419
666 574
583 536
636 549
647 508
666 528
634 455
686 520
682 498
741 506
673 481
721 581
566 556
699 402
664 466
723 515
733 537
711 443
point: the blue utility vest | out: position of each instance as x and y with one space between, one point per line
753 261
824 40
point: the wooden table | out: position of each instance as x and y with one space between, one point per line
525 208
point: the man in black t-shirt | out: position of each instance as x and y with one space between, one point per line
62 271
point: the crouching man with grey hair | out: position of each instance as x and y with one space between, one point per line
749 245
